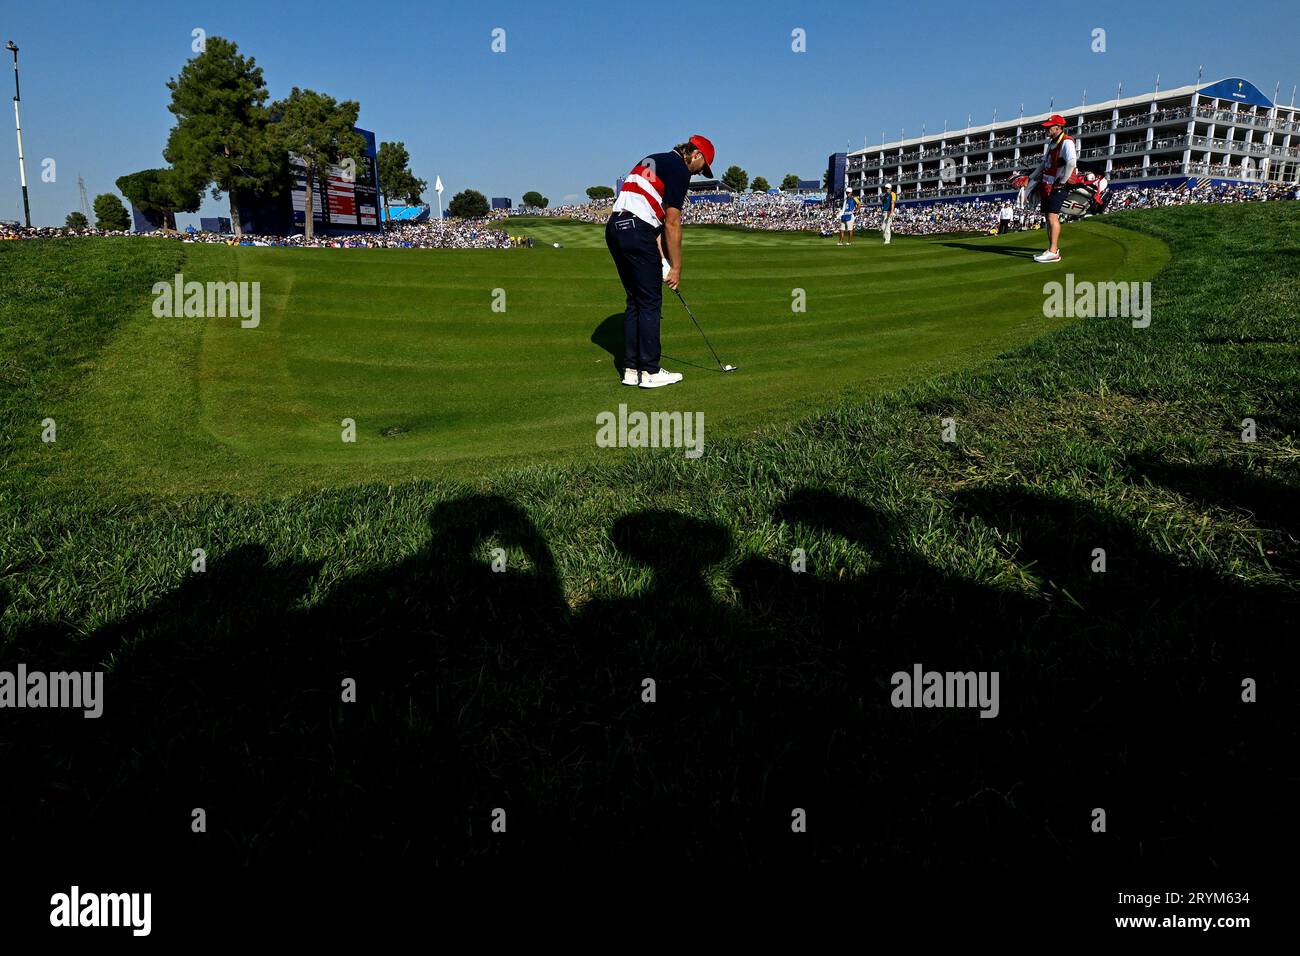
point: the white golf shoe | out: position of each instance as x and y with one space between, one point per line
630 376
660 378
1048 256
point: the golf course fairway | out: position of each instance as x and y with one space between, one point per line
463 362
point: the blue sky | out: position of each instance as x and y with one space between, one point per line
585 89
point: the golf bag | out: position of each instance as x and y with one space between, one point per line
1087 197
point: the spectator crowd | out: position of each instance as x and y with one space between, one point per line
747 211
434 234
764 211
981 215
1138 198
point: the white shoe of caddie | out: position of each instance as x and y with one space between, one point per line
660 378
629 376
1048 256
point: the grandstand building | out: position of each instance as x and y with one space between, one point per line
1227 131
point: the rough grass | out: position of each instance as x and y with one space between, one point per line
522 689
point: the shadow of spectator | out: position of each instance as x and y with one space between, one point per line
225 694
859 630
1267 499
1133 697
190 688
479 688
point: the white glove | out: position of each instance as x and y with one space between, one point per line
667 268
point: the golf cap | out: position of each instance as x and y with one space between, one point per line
705 147
1056 119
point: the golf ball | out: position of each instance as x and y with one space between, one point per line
556 245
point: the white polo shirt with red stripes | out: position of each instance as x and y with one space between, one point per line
656 183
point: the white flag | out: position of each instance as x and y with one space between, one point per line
437 186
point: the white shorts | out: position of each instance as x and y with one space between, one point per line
847 225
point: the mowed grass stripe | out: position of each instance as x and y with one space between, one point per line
406 344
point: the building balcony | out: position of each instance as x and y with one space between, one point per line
1233 146
1034 138
1226 170
1148 172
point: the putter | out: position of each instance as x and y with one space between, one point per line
721 367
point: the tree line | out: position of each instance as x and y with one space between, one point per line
230 140
737 180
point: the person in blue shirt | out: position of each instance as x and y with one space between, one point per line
847 213
888 203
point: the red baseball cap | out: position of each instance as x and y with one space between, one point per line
1056 119
705 147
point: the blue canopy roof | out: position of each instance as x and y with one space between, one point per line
1235 88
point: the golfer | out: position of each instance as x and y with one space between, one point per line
846 218
644 235
1055 174
887 206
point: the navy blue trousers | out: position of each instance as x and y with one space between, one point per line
632 243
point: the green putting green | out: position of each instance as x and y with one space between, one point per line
407 344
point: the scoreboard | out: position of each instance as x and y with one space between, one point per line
347 199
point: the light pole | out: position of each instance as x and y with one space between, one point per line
18 125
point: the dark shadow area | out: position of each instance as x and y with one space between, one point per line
609 336
1267 500
1137 683
226 695
479 689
